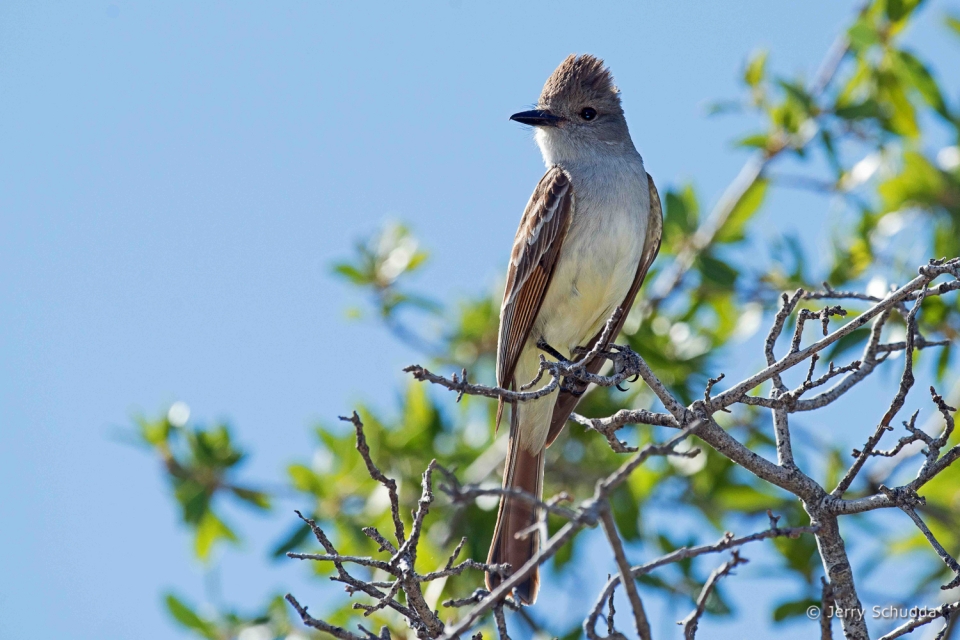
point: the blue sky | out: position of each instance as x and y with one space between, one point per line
176 178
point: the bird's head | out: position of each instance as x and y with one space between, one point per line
579 112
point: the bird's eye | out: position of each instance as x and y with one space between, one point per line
589 113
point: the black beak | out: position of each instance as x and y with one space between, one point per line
537 118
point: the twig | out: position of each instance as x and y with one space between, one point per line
588 516
907 500
692 621
943 611
728 541
310 621
629 584
377 475
906 383
826 604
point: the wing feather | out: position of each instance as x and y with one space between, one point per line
535 251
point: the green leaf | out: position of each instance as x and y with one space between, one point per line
953 22
417 260
724 106
903 116
716 271
897 10
754 140
735 224
793 608
918 184
421 302
943 361
258 499
862 35
193 499
946 240
799 554
799 94
304 479
188 617
683 209
756 68
351 273
155 433
294 539
913 72
681 217
563 556
210 530
826 138
743 498
868 108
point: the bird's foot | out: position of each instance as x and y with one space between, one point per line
573 387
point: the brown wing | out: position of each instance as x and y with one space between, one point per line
566 401
535 251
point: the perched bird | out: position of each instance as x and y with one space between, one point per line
586 240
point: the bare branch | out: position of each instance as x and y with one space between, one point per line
376 536
501 622
943 611
868 363
728 541
629 584
692 621
377 475
927 274
806 314
310 621
906 383
608 427
907 501
588 516
343 575
336 557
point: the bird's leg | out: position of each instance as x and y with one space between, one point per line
574 387
543 346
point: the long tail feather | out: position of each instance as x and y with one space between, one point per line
524 471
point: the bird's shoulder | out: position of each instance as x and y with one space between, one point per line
545 214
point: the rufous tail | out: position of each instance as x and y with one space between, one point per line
523 471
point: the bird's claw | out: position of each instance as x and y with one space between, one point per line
573 388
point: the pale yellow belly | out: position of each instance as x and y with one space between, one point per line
593 276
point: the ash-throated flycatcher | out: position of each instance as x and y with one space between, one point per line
586 239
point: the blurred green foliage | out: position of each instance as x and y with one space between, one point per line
880 138
200 464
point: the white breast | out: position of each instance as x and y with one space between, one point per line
600 253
